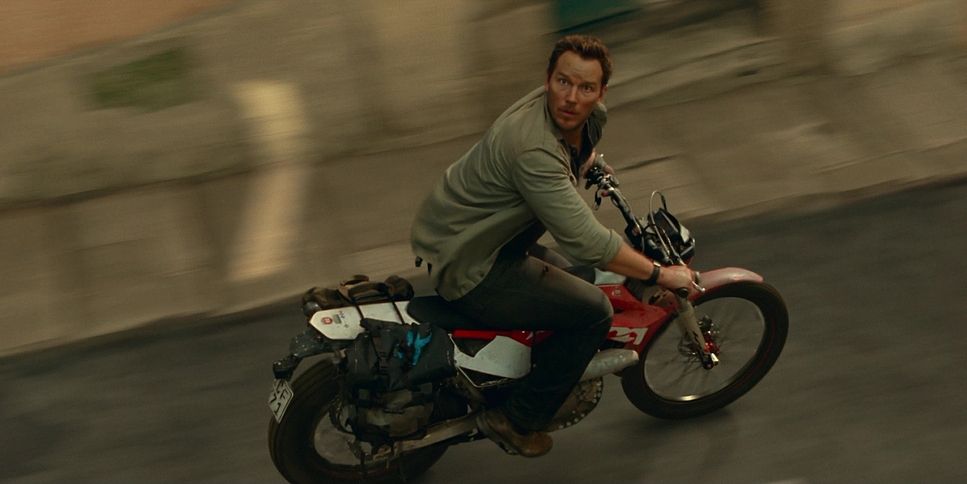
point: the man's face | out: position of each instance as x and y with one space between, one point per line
573 90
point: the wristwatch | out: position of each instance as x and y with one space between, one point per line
655 272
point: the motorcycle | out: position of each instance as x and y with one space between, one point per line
400 379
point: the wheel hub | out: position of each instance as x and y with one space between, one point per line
710 333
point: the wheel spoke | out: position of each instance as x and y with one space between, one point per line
746 321
738 327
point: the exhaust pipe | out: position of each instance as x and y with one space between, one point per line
443 431
609 361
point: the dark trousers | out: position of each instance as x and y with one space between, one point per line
522 292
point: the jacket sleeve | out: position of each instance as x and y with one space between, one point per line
545 184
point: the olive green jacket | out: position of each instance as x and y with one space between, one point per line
518 174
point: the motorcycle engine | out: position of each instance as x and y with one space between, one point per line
578 405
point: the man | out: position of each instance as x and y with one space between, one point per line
479 227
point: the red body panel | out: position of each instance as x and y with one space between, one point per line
527 338
634 321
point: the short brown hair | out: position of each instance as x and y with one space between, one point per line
586 46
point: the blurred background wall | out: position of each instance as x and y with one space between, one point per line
180 158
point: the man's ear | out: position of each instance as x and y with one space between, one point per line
604 90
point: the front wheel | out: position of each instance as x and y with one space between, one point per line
306 447
747 321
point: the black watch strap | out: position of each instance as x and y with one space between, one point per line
655 272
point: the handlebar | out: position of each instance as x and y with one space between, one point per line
644 234
652 240
607 186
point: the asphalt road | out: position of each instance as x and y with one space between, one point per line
870 387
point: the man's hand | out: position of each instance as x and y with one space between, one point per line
631 263
591 162
677 277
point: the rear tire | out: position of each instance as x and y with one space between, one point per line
669 383
292 443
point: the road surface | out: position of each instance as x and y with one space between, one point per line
870 387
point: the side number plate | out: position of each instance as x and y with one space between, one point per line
279 398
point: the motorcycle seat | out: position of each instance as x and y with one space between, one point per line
437 311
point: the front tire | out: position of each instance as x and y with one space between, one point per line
749 323
297 448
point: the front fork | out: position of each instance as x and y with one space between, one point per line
688 323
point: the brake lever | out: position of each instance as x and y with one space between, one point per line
683 292
698 287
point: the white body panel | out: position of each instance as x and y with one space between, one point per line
343 323
504 357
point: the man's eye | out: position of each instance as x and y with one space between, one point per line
587 89
562 82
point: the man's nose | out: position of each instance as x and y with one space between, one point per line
572 94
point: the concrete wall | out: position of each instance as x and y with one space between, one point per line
853 37
250 188
33 31
301 135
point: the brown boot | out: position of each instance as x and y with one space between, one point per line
494 424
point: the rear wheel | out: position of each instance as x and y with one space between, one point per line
747 321
307 448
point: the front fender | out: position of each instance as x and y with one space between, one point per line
718 278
